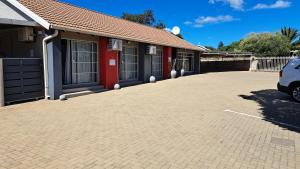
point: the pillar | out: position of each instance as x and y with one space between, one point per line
167 62
197 62
108 63
54 67
141 60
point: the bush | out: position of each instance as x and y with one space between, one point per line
266 44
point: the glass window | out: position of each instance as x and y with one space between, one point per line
185 60
80 62
129 63
157 63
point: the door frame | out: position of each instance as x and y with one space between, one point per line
133 45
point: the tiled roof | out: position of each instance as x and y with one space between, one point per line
64 16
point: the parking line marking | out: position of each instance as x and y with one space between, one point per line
257 117
243 114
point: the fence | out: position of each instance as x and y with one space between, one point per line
224 64
268 64
20 79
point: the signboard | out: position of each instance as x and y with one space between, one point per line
112 62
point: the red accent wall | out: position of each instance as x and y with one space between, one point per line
166 64
109 75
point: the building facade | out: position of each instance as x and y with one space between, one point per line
48 48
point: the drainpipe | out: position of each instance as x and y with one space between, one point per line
45 60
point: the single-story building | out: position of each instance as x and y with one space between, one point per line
49 48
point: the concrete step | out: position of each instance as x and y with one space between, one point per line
76 92
130 83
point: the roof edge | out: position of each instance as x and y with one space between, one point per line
196 48
29 13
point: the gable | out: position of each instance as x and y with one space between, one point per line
11 15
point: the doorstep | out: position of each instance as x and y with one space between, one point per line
130 83
76 92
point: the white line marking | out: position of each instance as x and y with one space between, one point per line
244 114
257 117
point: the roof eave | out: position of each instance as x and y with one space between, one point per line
118 37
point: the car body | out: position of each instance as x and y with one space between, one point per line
289 81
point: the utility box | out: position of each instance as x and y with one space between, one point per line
26 34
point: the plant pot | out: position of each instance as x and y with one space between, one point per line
152 79
117 86
173 74
182 72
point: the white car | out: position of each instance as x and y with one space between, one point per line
290 79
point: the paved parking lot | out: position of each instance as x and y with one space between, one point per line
218 120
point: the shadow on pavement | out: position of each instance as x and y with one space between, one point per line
277 107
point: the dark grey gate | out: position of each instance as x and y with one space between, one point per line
23 79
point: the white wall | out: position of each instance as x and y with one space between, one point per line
8 12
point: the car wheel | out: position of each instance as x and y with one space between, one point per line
296 93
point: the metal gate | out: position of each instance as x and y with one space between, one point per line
22 79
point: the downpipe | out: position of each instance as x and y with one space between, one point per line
45 62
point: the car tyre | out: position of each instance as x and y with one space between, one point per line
295 92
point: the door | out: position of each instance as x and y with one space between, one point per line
128 65
157 63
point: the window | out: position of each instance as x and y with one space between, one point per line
129 62
185 60
80 62
157 63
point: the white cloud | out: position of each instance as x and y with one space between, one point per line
188 23
276 5
204 20
235 4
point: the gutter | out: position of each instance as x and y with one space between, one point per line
45 60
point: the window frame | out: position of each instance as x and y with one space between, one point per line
182 56
158 48
69 86
132 45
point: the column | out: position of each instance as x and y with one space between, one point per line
108 63
167 62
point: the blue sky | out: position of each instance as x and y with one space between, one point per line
209 21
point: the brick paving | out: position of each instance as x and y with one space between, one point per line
173 124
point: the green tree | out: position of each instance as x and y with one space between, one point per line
221 45
292 34
233 47
266 44
147 18
160 25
